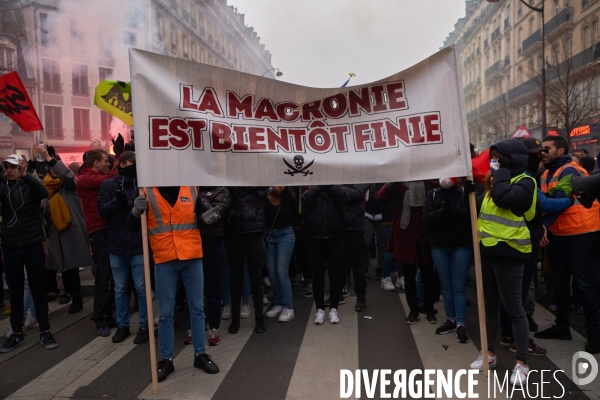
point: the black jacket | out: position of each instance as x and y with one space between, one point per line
354 207
21 212
121 241
447 218
373 205
518 197
247 210
324 217
216 196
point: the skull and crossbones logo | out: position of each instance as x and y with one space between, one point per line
298 167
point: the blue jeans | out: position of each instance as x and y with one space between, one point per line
27 299
572 256
226 278
279 253
192 275
452 265
388 258
120 266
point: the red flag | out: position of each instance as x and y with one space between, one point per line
16 104
481 165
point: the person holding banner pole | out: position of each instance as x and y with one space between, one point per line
505 241
177 249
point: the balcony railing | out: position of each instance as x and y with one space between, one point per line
472 114
473 85
51 87
496 34
532 40
493 69
560 19
524 88
506 23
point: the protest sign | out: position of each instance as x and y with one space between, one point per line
198 124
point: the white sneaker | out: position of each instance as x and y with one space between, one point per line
400 283
245 313
266 281
320 317
478 364
286 315
386 284
30 322
333 316
274 312
519 375
265 300
226 313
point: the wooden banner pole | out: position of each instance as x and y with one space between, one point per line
149 300
479 281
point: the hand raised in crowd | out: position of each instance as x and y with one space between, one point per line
22 166
544 242
41 151
118 144
96 144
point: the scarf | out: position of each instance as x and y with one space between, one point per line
59 212
414 197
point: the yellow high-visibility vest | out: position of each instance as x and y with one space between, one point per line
497 224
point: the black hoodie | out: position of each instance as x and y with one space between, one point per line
518 197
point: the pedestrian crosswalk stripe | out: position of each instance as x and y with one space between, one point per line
443 351
325 350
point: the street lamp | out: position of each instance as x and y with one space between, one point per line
541 11
278 74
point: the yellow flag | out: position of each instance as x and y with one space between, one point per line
114 97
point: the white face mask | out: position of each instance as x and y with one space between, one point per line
494 165
446 183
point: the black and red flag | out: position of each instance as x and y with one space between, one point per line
16 104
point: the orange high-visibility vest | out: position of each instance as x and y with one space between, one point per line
173 231
576 219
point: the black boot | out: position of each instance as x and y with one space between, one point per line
76 305
260 325
234 327
593 343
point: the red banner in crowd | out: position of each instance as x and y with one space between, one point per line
16 104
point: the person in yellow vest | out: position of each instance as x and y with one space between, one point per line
505 240
177 247
570 248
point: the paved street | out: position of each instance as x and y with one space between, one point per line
295 360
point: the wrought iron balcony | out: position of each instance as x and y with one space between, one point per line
531 40
560 19
493 69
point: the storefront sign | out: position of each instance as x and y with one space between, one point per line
6 142
580 131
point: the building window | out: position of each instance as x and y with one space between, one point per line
105 73
51 76
519 75
81 123
105 44
585 34
594 32
556 7
80 80
7 58
186 49
77 44
53 126
174 5
129 39
520 39
105 121
160 23
48 29
532 26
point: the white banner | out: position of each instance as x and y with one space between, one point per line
196 124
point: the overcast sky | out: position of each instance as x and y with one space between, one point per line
318 42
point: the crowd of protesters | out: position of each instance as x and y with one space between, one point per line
213 247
